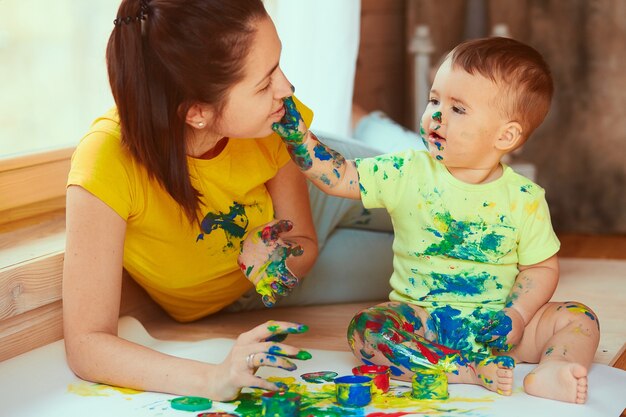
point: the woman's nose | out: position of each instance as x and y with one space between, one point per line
284 87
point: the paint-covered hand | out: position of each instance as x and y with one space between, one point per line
251 351
503 331
263 259
293 131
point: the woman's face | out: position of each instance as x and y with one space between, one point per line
255 103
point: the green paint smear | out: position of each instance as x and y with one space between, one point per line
458 239
429 386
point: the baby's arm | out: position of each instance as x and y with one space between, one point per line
326 168
534 286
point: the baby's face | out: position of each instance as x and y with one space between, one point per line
461 122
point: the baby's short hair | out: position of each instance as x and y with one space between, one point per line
520 71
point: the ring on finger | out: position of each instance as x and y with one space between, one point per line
250 360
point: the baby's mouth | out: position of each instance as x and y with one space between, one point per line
436 139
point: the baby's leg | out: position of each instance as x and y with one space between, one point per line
563 338
403 337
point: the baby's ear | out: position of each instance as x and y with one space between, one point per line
510 137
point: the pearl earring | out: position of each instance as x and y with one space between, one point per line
200 125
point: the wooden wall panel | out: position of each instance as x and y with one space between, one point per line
381 66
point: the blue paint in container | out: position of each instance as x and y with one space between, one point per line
354 390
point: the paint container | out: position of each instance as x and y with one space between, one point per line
379 374
354 390
191 403
429 384
281 404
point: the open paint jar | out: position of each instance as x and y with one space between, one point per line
429 384
280 404
354 390
378 373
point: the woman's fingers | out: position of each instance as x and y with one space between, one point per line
258 382
266 359
271 328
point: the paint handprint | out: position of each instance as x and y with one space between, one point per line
293 130
263 259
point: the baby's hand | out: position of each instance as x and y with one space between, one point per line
263 260
504 330
293 131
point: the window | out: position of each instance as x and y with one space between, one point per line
53 75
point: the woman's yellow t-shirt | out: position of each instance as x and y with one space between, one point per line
189 270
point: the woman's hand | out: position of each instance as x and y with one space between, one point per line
263 259
253 350
293 131
504 330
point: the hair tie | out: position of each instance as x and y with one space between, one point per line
141 15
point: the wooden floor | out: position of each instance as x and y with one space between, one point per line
328 329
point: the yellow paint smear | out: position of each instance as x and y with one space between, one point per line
88 389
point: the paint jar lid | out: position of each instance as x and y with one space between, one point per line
191 403
370 369
319 377
353 379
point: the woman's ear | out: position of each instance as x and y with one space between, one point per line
198 116
510 137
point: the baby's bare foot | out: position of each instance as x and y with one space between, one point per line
495 376
558 380
494 373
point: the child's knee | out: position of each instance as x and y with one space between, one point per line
575 312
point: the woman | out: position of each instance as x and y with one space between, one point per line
171 187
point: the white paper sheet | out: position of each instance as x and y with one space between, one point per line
39 383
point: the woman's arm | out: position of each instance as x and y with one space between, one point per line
92 280
290 197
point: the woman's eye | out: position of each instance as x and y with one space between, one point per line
267 87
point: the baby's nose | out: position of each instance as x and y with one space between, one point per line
437 116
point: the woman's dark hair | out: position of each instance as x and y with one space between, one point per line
163 56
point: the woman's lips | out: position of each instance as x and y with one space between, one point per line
278 113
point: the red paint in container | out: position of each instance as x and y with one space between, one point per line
379 374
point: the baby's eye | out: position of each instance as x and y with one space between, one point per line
433 101
459 110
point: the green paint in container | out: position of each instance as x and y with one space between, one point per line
281 404
429 384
